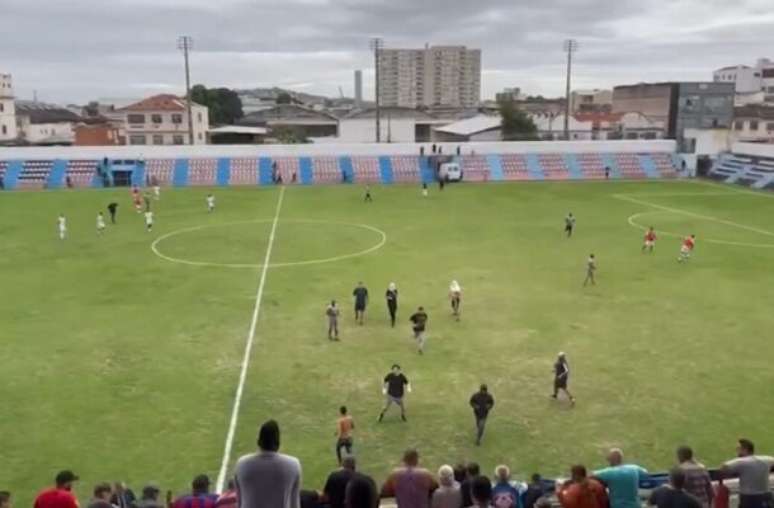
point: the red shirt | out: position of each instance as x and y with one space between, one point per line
56 498
688 243
650 236
196 501
587 494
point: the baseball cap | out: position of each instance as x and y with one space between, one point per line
66 476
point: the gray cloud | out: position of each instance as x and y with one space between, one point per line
77 50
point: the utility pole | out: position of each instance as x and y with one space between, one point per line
376 45
570 47
185 44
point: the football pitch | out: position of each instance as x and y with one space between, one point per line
122 353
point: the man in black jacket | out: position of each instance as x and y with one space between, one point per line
482 402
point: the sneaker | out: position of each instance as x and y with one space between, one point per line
381 417
403 417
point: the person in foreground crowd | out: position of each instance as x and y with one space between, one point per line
753 472
697 479
267 478
228 498
334 492
504 493
419 324
673 495
394 387
102 493
123 496
472 470
5 499
344 427
361 492
200 496
332 311
150 498
482 402
562 377
535 490
361 300
622 480
61 495
580 491
448 494
392 302
481 492
410 484
455 296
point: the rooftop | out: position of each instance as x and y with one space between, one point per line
161 102
41 112
480 123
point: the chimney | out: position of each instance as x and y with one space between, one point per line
358 89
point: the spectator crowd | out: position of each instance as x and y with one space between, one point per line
270 479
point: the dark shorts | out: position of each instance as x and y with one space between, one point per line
359 307
756 501
560 382
568 228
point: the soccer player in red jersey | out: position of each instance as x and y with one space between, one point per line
687 248
650 240
137 199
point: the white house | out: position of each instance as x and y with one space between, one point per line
7 109
551 127
163 120
39 123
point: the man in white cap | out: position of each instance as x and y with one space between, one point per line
455 295
392 302
561 375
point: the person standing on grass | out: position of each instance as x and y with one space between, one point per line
210 203
419 324
156 190
361 300
112 208
562 377
686 249
424 189
482 402
61 225
146 199
394 387
591 268
268 479
410 485
753 472
455 296
580 491
392 302
344 427
622 480
650 241
333 320
61 495
673 495
697 479
149 221
100 223
368 197
607 172
569 224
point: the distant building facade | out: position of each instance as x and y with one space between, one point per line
509 95
163 120
591 101
754 124
39 123
8 131
747 80
433 76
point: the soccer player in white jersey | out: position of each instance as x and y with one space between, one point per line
100 223
157 192
62 225
210 203
148 220
455 296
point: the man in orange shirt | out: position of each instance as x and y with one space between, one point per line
581 492
59 496
344 427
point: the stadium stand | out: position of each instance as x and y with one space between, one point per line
751 171
665 164
554 166
629 165
405 168
34 174
244 171
81 172
326 170
592 166
475 168
202 171
515 167
366 169
287 167
160 170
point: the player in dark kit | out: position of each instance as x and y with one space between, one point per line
368 197
569 224
482 402
361 300
112 207
392 302
561 377
394 387
419 321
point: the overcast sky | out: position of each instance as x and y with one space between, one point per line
77 50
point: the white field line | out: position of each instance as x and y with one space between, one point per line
732 187
248 351
692 214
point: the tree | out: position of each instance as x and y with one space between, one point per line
284 98
516 125
224 105
287 135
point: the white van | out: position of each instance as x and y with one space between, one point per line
450 171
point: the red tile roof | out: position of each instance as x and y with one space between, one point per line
161 102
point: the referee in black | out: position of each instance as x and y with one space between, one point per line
392 302
482 402
561 376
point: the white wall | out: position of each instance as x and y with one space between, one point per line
38 132
167 129
7 119
363 130
754 149
744 78
709 141
210 151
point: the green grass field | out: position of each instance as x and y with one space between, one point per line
122 365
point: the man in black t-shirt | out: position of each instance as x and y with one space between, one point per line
392 302
394 387
361 300
419 323
674 494
482 402
112 207
336 485
561 377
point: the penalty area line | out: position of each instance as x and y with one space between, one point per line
248 351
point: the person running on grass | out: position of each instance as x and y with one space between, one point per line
368 197
569 224
100 223
332 311
482 402
561 377
591 268
419 323
61 223
112 208
455 296
394 387
650 241
687 248
344 427
210 203
392 302
361 300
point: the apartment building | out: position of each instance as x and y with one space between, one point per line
8 131
749 79
433 76
163 120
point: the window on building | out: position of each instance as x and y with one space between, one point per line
135 118
689 104
137 139
2 107
717 105
177 139
631 135
753 125
158 139
738 125
770 126
768 73
199 117
648 135
156 119
5 130
177 118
